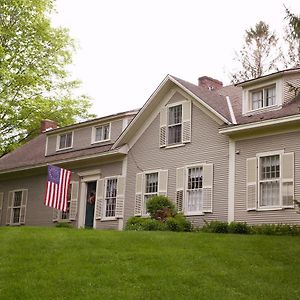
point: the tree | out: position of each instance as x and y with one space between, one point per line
34 82
258 55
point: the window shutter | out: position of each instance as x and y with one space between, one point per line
1 204
9 207
186 122
288 179
163 127
138 194
180 179
23 206
55 215
207 187
163 182
100 198
251 183
74 200
120 196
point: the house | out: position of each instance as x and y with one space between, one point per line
228 153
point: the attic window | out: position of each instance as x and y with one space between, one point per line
65 140
264 97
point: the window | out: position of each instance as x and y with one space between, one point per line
269 181
151 187
66 214
175 124
110 197
194 201
264 97
16 209
65 140
102 133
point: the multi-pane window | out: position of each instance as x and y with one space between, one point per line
194 189
175 125
65 140
102 133
16 209
269 181
151 187
66 214
263 98
110 197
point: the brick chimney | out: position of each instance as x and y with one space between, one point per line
48 125
209 83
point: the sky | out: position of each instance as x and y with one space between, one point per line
126 48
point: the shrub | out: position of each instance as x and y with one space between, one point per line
178 223
215 226
239 227
160 207
276 229
63 225
138 224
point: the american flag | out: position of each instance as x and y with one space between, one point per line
57 188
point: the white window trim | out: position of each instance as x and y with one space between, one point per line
12 207
167 137
104 218
185 211
59 219
58 141
273 207
145 214
93 137
278 83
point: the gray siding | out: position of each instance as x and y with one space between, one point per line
207 146
289 142
293 80
82 137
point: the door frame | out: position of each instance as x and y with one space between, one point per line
82 199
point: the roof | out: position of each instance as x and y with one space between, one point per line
25 157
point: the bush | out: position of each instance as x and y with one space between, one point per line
178 223
215 226
276 229
160 207
239 227
63 225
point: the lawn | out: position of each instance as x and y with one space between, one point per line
59 263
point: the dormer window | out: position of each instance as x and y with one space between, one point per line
101 133
65 140
263 97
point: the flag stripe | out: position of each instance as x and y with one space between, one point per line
57 187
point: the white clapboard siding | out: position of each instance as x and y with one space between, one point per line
180 179
9 207
23 206
288 179
163 182
1 204
207 187
120 196
100 190
163 127
251 169
138 194
74 200
186 121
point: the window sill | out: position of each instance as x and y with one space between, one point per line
194 214
174 146
273 208
261 110
99 142
108 219
62 149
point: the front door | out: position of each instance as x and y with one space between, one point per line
90 204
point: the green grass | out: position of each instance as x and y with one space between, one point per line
59 263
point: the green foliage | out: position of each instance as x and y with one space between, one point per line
215 227
276 229
178 223
160 207
239 227
35 84
63 225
